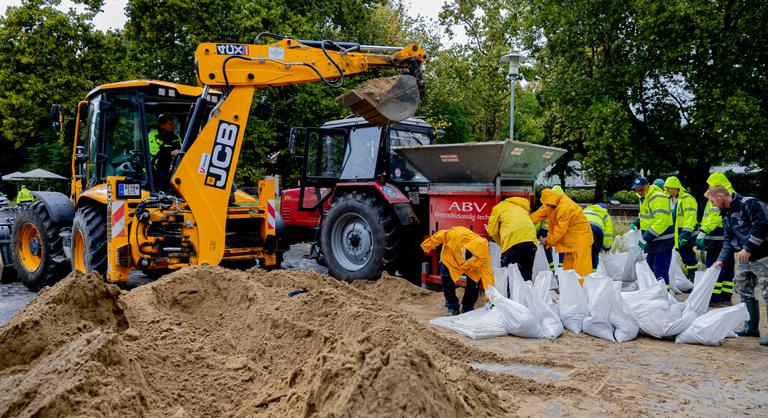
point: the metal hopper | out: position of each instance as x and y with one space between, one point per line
481 162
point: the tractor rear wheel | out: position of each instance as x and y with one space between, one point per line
89 240
37 250
360 237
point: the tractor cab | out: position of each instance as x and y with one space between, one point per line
352 151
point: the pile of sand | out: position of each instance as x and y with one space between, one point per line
206 341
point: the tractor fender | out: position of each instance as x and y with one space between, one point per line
58 205
389 193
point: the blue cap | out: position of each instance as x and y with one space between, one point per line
659 182
639 182
603 205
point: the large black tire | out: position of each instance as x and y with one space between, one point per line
39 260
90 226
360 237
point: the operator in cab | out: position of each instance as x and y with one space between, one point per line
164 144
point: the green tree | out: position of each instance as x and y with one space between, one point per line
666 86
48 56
468 88
164 35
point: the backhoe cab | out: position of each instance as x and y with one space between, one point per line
126 212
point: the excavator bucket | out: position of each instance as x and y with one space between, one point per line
383 101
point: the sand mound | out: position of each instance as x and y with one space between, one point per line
206 341
91 376
76 305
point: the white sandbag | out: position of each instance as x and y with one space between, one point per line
649 299
542 285
698 301
626 327
677 279
573 301
540 262
634 254
518 320
664 324
645 276
629 286
599 290
515 280
495 254
612 265
714 326
548 319
476 324
500 281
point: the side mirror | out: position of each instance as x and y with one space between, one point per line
80 157
292 141
57 118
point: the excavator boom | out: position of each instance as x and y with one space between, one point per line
209 157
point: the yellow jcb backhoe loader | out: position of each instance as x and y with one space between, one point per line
124 213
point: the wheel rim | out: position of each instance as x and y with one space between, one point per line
352 241
30 247
78 251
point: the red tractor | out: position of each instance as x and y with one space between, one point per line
359 201
369 195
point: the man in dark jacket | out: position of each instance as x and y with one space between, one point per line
745 227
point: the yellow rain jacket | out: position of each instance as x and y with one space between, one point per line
711 221
510 224
569 229
542 213
24 195
455 242
685 211
599 216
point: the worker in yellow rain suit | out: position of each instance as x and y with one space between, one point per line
710 242
569 232
684 208
602 230
463 252
24 195
539 218
511 228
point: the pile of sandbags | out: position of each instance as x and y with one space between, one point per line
514 308
604 306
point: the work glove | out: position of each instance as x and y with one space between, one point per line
633 227
642 244
700 240
682 242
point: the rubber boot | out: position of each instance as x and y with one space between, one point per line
752 326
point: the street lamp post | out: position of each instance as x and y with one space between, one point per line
514 59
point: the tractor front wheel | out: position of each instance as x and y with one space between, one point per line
360 237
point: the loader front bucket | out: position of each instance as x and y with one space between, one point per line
382 101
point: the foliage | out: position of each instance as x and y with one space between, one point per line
626 196
581 195
667 86
47 56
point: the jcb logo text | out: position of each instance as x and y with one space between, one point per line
221 155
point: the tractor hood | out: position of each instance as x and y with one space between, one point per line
481 162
